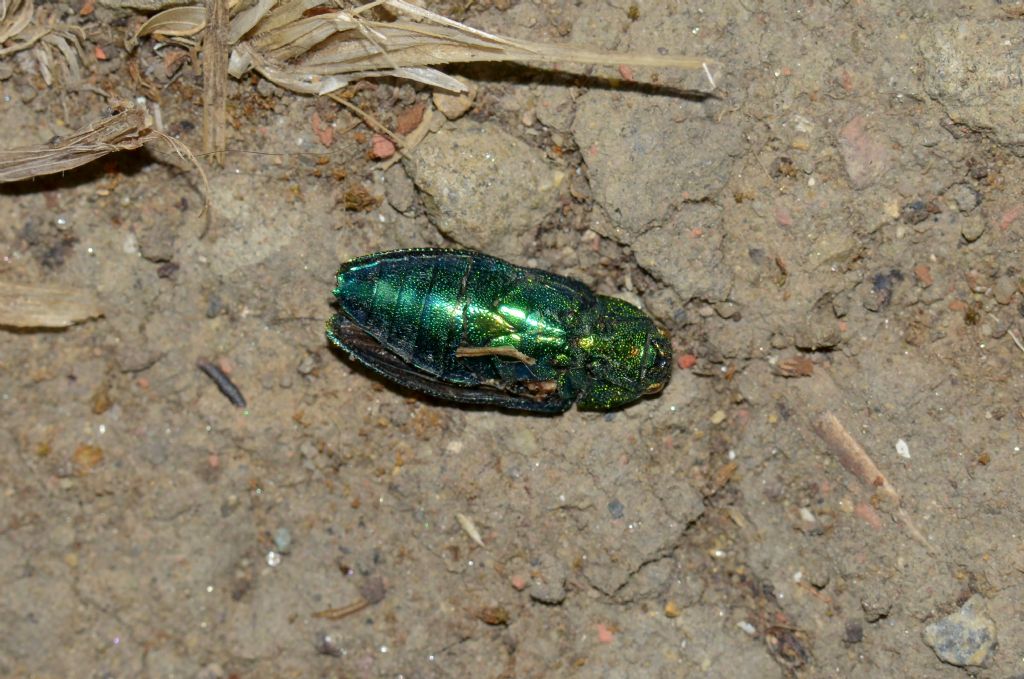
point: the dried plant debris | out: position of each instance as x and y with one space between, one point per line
215 79
52 44
125 128
129 127
311 47
855 459
29 306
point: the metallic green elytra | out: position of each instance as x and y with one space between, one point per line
463 326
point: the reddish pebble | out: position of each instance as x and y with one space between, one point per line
923 275
225 365
519 582
605 634
382 147
686 361
1010 217
323 131
409 119
783 216
627 73
865 153
213 460
100 54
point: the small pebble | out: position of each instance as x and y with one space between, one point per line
747 628
454 106
923 274
917 211
329 644
965 638
616 509
965 197
381 147
548 585
283 540
718 417
1004 290
307 364
972 228
853 633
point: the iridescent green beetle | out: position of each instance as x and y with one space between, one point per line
463 326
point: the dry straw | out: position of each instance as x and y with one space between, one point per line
306 47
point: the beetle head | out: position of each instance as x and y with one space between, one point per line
626 356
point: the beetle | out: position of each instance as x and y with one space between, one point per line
467 327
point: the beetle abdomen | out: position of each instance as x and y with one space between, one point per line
412 304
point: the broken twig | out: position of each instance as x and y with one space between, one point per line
854 459
30 306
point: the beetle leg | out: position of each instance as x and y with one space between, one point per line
541 389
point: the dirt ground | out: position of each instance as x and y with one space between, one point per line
838 231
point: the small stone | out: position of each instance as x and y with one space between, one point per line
672 609
493 615
157 242
1004 290
399 189
214 306
283 540
853 633
308 364
877 606
616 509
965 197
454 106
917 211
816 334
718 417
728 310
381 147
548 582
865 152
482 187
972 228
965 638
86 457
923 275
329 644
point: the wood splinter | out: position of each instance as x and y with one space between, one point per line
503 351
855 459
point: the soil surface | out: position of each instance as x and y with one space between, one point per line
834 239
